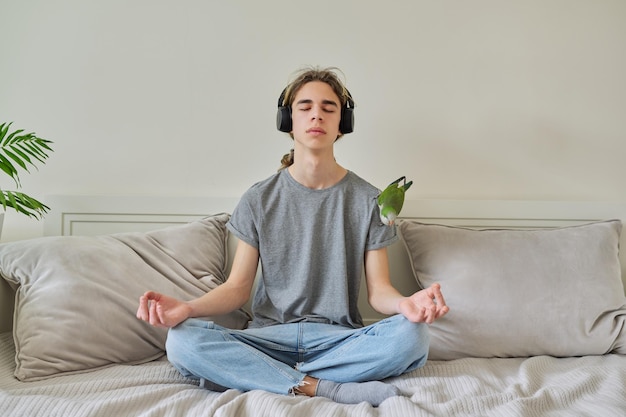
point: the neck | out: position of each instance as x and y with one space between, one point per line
316 173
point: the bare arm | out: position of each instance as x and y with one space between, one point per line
164 311
423 306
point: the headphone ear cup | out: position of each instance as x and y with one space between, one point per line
283 119
347 121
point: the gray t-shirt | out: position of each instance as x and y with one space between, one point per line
312 245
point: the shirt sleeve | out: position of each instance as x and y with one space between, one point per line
243 223
380 235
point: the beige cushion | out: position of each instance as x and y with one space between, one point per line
77 296
518 293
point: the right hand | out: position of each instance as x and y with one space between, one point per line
424 306
161 310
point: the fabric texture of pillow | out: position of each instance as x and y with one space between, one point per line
519 293
77 296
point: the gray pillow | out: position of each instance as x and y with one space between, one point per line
518 293
77 296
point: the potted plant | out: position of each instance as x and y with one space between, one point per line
21 151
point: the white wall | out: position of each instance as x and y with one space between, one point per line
481 99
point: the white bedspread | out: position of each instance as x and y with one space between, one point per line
538 386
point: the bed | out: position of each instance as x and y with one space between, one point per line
536 327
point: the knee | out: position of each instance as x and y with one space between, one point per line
175 343
182 341
413 340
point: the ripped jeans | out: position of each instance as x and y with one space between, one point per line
277 358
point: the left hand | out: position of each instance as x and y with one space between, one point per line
424 306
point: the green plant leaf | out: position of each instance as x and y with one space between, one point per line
33 148
13 137
23 203
19 150
22 149
8 168
18 160
4 128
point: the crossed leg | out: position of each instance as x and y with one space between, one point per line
307 358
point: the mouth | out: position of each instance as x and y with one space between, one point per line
316 130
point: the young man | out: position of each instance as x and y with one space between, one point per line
313 226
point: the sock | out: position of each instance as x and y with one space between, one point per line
373 392
211 386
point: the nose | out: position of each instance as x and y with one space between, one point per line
316 113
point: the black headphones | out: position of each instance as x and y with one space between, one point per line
283 116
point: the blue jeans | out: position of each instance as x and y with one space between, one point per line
277 358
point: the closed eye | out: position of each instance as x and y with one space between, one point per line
325 109
329 106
